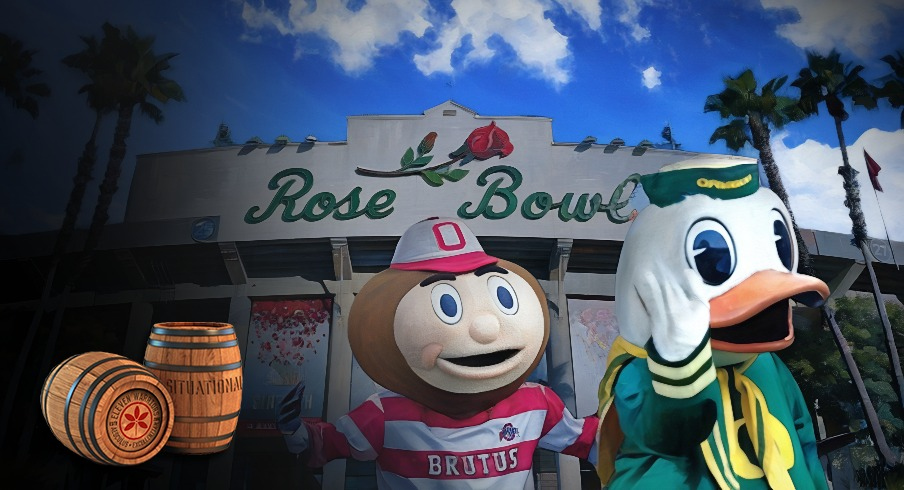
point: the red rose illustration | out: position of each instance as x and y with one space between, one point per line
427 143
489 141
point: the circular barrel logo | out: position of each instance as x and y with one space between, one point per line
134 420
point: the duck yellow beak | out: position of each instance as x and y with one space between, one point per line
755 315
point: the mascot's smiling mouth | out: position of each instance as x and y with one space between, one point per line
483 360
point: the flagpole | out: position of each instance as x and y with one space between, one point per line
873 170
887 237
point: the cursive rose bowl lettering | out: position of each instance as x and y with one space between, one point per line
499 200
319 205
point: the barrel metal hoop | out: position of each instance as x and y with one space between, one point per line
192 333
69 395
49 381
193 369
192 345
197 450
83 405
202 439
212 418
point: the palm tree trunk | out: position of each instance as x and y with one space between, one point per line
886 325
79 185
851 190
861 240
761 134
886 457
110 184
83 175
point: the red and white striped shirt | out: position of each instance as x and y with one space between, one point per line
415 447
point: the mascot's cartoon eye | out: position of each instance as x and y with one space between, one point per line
783 244
503 295
446 303
710 251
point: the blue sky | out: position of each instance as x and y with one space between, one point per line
616 68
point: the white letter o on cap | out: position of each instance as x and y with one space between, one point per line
449 236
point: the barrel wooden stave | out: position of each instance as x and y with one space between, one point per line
200 365
89 399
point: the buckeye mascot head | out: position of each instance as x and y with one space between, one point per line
447 325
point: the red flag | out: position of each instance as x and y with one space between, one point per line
873 169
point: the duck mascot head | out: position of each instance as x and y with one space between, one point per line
452 334
694 396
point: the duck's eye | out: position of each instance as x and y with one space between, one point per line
446 303
783 244
710 251
503 295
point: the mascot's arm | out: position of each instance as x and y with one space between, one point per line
565 434
660 411
803 424
359 435
666 403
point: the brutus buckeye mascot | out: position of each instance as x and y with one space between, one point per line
451 333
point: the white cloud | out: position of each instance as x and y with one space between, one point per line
358 35
826 24
651 77
630 17
533 38
588 10
809 173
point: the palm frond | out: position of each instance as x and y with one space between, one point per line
734 134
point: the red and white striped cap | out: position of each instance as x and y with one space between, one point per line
439 245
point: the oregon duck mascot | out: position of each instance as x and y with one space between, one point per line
451 333
693 395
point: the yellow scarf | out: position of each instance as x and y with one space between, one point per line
770 437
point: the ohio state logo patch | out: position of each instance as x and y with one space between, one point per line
508 433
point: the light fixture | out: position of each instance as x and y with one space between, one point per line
613 145
205 229
585 143
642 147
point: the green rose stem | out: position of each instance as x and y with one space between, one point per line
403 173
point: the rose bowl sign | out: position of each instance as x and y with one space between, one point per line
504 174
499 200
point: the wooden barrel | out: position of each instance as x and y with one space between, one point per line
201 366
107 408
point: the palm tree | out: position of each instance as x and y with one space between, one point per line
827 80
125 73
17 76
137 79
750 115
893 90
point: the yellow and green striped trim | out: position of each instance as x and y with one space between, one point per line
682 379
